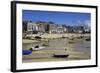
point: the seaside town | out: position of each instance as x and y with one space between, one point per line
48 41
42 27
50 36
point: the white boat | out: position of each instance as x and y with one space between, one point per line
37 48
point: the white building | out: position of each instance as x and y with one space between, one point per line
29 26
35 27
53 28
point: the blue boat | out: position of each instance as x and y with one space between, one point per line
27 52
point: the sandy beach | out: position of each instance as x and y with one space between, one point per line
77 48
69 35
53 36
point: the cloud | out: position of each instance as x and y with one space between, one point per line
88 23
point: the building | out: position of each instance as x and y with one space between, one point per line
41 28
60 29
53 28
29 26
24 27
46 27
35 27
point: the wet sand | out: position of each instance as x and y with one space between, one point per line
77 49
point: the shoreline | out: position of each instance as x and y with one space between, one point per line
59 35
45 37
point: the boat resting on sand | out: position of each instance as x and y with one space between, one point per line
60 55
37 48
29 51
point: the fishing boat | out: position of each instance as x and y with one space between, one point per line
60 55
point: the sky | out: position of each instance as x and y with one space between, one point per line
68 18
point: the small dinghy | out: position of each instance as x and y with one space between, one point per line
37 48
27 52
60 55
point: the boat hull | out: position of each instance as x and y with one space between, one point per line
40 48
26 52
60 55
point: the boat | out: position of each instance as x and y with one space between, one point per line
88 39
37 48
29 51
60 55
26 52
37 37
